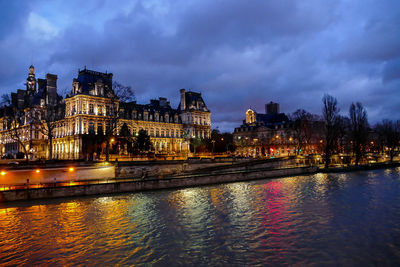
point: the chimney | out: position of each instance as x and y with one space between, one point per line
51 89
183 99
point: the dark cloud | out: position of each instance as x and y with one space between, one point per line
238 54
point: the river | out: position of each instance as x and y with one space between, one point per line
347 219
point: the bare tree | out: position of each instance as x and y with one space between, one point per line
359 129
17 129
120 94
389 131
46 117
5 100
64 92
330 113
343 133
302 131
123 93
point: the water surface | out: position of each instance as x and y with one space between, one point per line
337 219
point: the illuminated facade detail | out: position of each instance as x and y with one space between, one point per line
250 116
87 111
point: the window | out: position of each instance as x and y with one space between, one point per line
91 109
100 109
91 128
100 128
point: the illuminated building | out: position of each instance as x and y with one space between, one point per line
89 112
273 134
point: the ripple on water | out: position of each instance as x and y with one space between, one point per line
329 219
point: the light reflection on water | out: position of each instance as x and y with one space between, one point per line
329 219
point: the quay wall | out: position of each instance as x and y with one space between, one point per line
161 169
150 184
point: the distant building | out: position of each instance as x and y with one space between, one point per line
273 134
89 111
262 134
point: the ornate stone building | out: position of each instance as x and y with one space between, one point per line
264 134
274 134
94 111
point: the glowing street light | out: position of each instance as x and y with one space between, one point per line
37 170
3 173
71 169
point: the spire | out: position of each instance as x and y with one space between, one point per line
31 80
32 70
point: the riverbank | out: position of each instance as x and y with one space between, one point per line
185 177
129 185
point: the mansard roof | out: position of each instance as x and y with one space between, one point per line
194 101
153 107
272 118
88 78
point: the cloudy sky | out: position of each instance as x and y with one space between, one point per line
238 54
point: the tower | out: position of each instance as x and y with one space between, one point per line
272 108
31 81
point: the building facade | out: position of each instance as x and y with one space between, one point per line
93 111
273 134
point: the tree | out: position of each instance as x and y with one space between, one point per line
195 142
358 129
120 93
5 100
220 142
330 113
17 132
389 131
343 128
302 131
46 120
142 141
